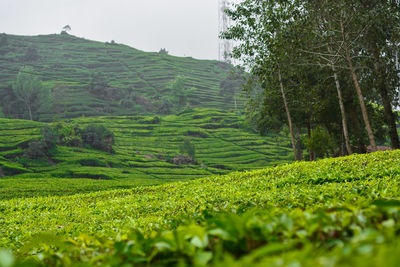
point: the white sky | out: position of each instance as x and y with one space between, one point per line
183 27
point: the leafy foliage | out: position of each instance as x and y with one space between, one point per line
306 60
40 147
180 91
320 142
344 211
28 89
187 147
98 137
95 136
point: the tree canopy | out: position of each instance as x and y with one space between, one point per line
329 64
29 91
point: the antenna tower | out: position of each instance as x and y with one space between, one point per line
225 46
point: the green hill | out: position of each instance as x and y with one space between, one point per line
95 79
144 148
334 212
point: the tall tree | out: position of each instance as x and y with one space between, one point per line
29 90
340 23
381 42
261 29
291 48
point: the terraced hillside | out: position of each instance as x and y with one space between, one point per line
334 212
144 147
135 80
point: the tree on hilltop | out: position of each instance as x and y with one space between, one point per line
163 51
66 29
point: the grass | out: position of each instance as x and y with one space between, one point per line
336 212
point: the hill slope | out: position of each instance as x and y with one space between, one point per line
144 148
132 81
336 212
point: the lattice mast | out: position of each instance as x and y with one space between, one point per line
225 46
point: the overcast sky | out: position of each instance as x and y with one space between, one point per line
183 27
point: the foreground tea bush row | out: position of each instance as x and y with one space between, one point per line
332 212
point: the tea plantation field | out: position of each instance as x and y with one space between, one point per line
333 212
66 63
143 146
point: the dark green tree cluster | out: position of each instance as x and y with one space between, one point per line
163 51
100 87
44 145
98 137
324 68
175 97
93 136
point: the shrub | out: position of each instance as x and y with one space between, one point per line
95 136
187 148
98 137
41 147
37 148
49 136
155 120
69 135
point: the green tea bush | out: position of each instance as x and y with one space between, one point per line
94 162
333 212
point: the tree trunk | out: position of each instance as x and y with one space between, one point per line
342 145
293 140
341 105
342 111
298 145
389 115
357 130
309 137
358 90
